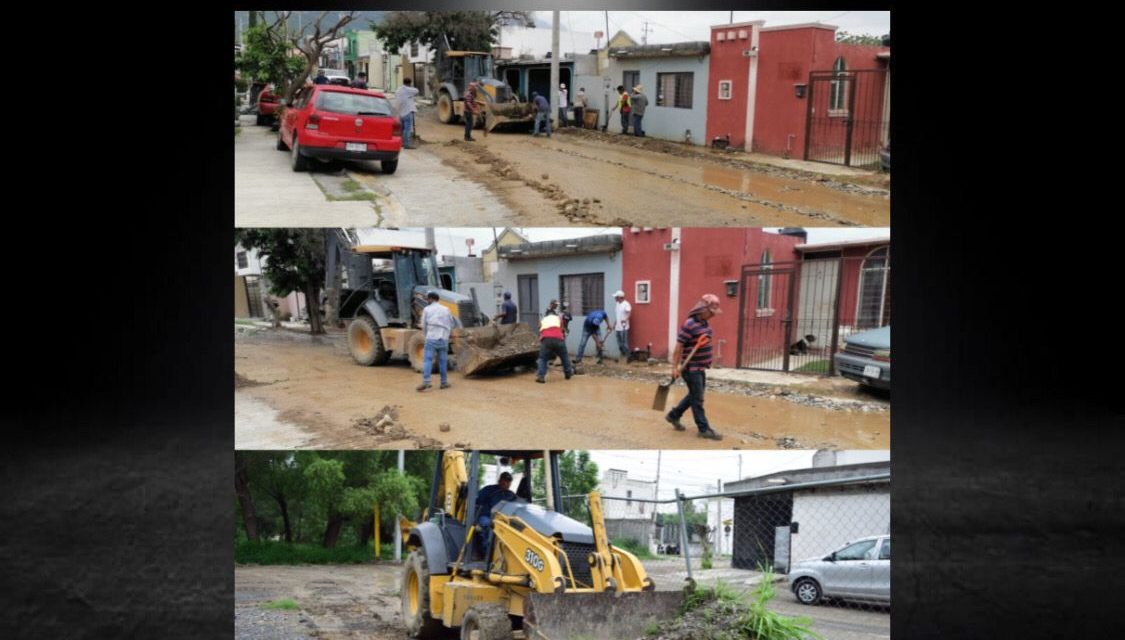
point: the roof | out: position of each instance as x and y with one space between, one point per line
606 243
736 25
844 473
461 54
803 25
670 50
501 235
843 244
383 248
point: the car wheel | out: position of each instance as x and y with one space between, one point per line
807 591
389 166
259 120
297 161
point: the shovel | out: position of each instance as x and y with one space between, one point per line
660 400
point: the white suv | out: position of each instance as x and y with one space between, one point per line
860 570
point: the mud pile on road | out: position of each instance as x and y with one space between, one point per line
576 210
384 423
877 184
720 613
242 382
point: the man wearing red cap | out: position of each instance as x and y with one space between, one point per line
695 331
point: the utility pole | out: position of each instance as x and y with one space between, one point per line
719 522
398 529
644 33
605 92
554 65
740 466
430 239
656 490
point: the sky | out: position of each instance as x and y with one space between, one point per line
450 241
679 26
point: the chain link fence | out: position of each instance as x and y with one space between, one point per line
825 544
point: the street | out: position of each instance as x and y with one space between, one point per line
293 390
362 601
576 177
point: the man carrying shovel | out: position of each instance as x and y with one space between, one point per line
695 336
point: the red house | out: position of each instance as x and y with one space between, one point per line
794 91
786 304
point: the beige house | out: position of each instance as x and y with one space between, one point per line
507 238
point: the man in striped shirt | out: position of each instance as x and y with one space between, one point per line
694 371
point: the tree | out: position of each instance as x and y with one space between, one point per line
268 57
289 54
466 30
859 38
579 476
294 261
245 500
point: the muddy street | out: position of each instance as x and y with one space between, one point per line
590 177
293 390
338 602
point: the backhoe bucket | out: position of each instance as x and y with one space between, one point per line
507 113
482 350
597 616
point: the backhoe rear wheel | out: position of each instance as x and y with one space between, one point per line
486 622
445 109
416 599
366 343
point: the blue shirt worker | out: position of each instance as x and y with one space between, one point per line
591 328
508 312
488 498
542 113
695 332
437 325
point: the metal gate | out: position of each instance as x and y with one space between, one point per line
793 316
765 318
848 117
254 296
527 292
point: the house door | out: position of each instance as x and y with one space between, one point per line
765 316
527 291
254 297
816 315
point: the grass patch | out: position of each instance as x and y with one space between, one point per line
723 613
359 195
350 185
244 321
285 604
817 366
280 553
634 547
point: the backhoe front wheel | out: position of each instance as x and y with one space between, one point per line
445 109
366 343
416 599
486 622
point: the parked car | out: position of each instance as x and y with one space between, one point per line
859 570
885 157
328 123
268 101
866 358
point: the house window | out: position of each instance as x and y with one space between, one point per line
837 97
413 49
584 292
643 291
674 89
630 79
764 283
725 89
873 308
242 261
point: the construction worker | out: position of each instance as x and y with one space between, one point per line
404 102
694 370
472 107
487 498
622 313
592 328
625 106
437 325
580 108
638 101
562 105
508 312
360 81
552 342
542 113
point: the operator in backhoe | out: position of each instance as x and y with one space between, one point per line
489 497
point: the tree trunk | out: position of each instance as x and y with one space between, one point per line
284 506
245 500
332 531
312 305
367 531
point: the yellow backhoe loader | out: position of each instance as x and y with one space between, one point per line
523 569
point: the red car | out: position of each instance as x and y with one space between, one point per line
267 106
329 123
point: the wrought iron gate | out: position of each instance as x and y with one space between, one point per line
848 117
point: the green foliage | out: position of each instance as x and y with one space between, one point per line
279 553
464 30
745 615
579 476
268 57
295 259
633 546
286 604
858 38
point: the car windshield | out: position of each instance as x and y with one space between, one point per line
353 104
